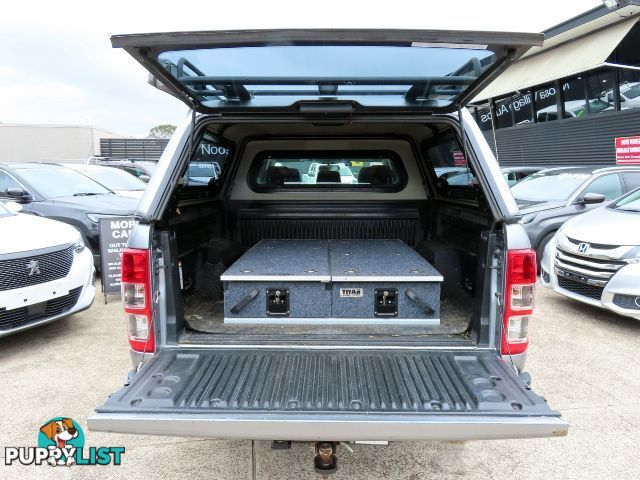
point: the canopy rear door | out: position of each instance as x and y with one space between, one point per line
361 69
290 394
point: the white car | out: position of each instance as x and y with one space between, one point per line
46 272
595 257
118 181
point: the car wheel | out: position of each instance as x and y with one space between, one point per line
541 246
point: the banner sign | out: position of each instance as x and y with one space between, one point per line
458 158
628 150
114 234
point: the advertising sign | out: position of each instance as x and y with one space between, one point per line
114 234
458 159
628 150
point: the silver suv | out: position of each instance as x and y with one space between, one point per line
389 105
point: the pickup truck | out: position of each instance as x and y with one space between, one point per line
277 101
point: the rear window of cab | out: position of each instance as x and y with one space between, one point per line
327 170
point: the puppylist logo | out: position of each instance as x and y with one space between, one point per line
61 442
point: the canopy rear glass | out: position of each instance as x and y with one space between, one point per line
279 68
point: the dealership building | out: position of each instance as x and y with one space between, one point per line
566 102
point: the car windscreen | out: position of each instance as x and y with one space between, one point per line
630 203
4 212
378 75
114 178
327 170
61 182
548 186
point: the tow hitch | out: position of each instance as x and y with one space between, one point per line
325 461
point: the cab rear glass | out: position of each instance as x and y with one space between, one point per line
327 170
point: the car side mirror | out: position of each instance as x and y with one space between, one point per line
591 198
145 178
18 193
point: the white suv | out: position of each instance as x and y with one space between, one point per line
46 272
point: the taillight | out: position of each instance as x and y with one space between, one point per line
136 299
521 274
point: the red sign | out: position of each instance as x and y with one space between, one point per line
628 150
458 159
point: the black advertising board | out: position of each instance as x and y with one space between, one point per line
114 234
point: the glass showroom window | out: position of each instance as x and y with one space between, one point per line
503 112
522 107
573 94
600 92
545 105
629 88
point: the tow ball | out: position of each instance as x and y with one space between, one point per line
325 461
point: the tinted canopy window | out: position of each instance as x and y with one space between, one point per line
370 74
327 170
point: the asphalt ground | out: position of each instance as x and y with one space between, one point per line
585 361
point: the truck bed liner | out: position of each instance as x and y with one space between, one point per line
207 380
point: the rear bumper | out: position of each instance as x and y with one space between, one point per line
327 427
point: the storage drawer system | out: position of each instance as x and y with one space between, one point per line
335 281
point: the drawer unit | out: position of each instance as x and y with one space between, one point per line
384 281
278 281
336 281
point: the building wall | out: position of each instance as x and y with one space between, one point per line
573 141
22 143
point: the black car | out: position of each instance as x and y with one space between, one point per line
143 169
63 194
550 197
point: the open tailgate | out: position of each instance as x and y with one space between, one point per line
362 69
292 394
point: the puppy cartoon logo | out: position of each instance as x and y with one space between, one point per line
61 442
61 433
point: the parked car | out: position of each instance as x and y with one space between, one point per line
629 95
116 180
297 370
514 174
46 273
550 197
573 109
202 172
60 193
511 174
595 258
142 169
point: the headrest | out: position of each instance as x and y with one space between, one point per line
376 175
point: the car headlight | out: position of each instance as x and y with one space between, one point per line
528 218
633 257
78 245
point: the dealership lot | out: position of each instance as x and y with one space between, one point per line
582 358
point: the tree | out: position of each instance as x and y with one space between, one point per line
162 131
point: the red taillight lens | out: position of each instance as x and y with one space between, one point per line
136 299
519 296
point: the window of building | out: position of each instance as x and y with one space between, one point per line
629 84
573 99
483 117
504 117
522 106
600 92
544 99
